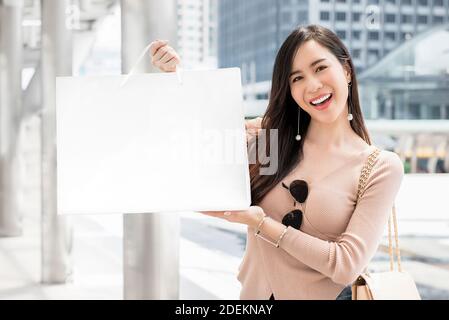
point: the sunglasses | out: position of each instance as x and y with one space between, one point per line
299 190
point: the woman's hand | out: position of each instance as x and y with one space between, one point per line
163 56
252 127
250 217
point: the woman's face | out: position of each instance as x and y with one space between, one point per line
317 74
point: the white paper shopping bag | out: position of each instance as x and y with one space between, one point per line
154 144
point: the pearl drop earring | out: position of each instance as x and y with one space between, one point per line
298 136
350 117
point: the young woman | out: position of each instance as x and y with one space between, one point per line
307 238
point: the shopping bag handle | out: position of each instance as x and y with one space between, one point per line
133 69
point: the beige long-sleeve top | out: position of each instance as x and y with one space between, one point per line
337 239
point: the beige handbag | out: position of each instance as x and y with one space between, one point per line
390 285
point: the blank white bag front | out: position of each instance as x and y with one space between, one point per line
152 145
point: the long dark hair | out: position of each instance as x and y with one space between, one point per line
282 111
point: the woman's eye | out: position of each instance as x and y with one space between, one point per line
296 79
321 68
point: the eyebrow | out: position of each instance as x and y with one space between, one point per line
311 65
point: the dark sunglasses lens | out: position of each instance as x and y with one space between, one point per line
299 190
293 219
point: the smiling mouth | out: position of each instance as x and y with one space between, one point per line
321 102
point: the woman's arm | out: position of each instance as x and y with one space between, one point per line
346 258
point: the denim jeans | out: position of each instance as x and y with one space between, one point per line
346 294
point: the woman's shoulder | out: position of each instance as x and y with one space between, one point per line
389 157
386 175
388 161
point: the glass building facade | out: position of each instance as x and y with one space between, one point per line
412 82
251 31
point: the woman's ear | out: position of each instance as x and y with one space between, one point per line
347 70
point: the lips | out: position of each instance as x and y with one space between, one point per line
324 104
321 99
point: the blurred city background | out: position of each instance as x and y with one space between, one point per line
400 49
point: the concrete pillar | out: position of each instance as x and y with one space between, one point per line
56 61
11 60
151 240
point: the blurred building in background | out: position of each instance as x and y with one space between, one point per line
197 33
250 32
412 82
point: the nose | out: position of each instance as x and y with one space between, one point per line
314 85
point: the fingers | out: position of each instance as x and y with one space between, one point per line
170 54
255 123
219 214
253 128
236 216
164 57
212 213
171 65
160 53
155 45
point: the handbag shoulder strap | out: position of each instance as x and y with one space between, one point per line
366 170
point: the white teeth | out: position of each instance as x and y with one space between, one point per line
321 99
